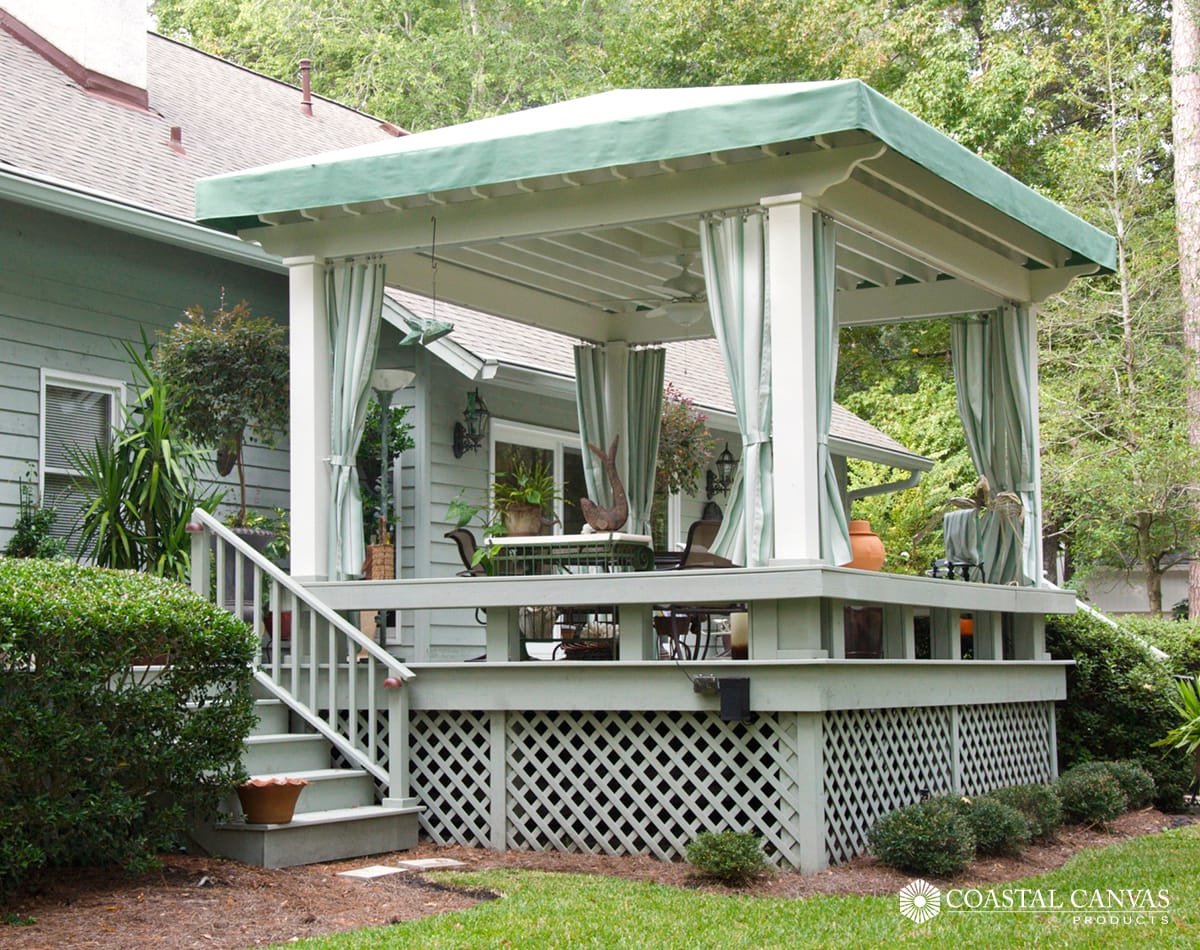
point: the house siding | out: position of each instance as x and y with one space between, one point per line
71 293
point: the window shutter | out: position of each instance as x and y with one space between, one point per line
76 419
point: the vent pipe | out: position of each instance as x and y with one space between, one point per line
306 86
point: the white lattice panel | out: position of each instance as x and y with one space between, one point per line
878 760
622 783
1004 744
451 775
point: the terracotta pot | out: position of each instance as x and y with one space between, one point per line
966 626
270 801
866 547
523 519
285 624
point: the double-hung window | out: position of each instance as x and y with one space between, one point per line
76 413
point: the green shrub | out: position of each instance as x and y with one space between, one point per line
998 829
733 857
1179 639
1118 703
101 760
930 837
1135 782
1038 803
1090 795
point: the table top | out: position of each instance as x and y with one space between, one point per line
568 540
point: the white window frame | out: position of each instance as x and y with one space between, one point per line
537 437
96 384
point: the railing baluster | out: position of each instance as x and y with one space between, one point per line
213 546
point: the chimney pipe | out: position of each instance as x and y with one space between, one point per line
306 86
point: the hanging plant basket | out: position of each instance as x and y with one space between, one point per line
270 801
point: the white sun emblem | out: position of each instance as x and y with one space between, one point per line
920 901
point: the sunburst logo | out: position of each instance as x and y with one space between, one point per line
920 901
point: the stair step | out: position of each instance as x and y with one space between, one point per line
314 837
273 718
326 789
281 753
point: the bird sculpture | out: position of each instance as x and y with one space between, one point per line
607 519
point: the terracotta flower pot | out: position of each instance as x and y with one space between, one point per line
270 801
523 519
866 547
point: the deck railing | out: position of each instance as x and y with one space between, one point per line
312 659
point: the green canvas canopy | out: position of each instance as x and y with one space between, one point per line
623 128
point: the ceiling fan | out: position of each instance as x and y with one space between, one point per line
688 303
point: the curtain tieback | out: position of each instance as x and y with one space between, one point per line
755 438
341 461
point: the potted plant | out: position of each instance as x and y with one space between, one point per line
524 498
227 379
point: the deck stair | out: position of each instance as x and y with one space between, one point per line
332 710
336 816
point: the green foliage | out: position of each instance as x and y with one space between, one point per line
31 533
931 837
368 461
1090 795
732 857
525 484
925 420
140 490
101 760
1038 803
685 446
1118 703
227 377
422 64
1179 639
998 828
1136 783
1185 736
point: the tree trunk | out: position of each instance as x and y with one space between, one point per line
1185 127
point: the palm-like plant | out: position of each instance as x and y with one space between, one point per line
141 489
1185 736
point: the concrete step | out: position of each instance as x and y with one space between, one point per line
326 789
273 718
282 754
313 837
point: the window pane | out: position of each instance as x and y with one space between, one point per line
60 492
75 419
574 488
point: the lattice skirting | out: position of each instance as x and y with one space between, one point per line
877 760
604 782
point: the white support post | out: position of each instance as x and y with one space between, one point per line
308 343
498 767
503 635
945 642
200 563
399 740
833 628
792 315
637 640
989 643
810 793
899 641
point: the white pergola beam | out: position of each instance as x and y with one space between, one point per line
912 302
604 205
889 221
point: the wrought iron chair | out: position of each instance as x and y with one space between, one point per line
464 540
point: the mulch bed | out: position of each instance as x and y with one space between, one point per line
195 901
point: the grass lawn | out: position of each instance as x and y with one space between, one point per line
539 909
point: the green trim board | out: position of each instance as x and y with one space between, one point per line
627 127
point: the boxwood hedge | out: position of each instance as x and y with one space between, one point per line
104 759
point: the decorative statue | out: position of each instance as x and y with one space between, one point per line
607 519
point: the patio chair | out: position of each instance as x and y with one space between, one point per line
696 553
464 540
698 618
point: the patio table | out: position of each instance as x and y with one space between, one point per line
609 552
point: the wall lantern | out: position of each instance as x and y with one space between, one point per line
472 432
720 481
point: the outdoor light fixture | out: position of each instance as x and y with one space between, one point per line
472 432
720 481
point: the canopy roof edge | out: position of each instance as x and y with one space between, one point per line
623 128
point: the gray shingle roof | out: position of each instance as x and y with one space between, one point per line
694 366
231 118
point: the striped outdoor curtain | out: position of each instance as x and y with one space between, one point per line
354 302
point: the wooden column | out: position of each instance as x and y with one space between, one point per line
309 432
792 314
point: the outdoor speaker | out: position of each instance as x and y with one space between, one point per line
735 698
